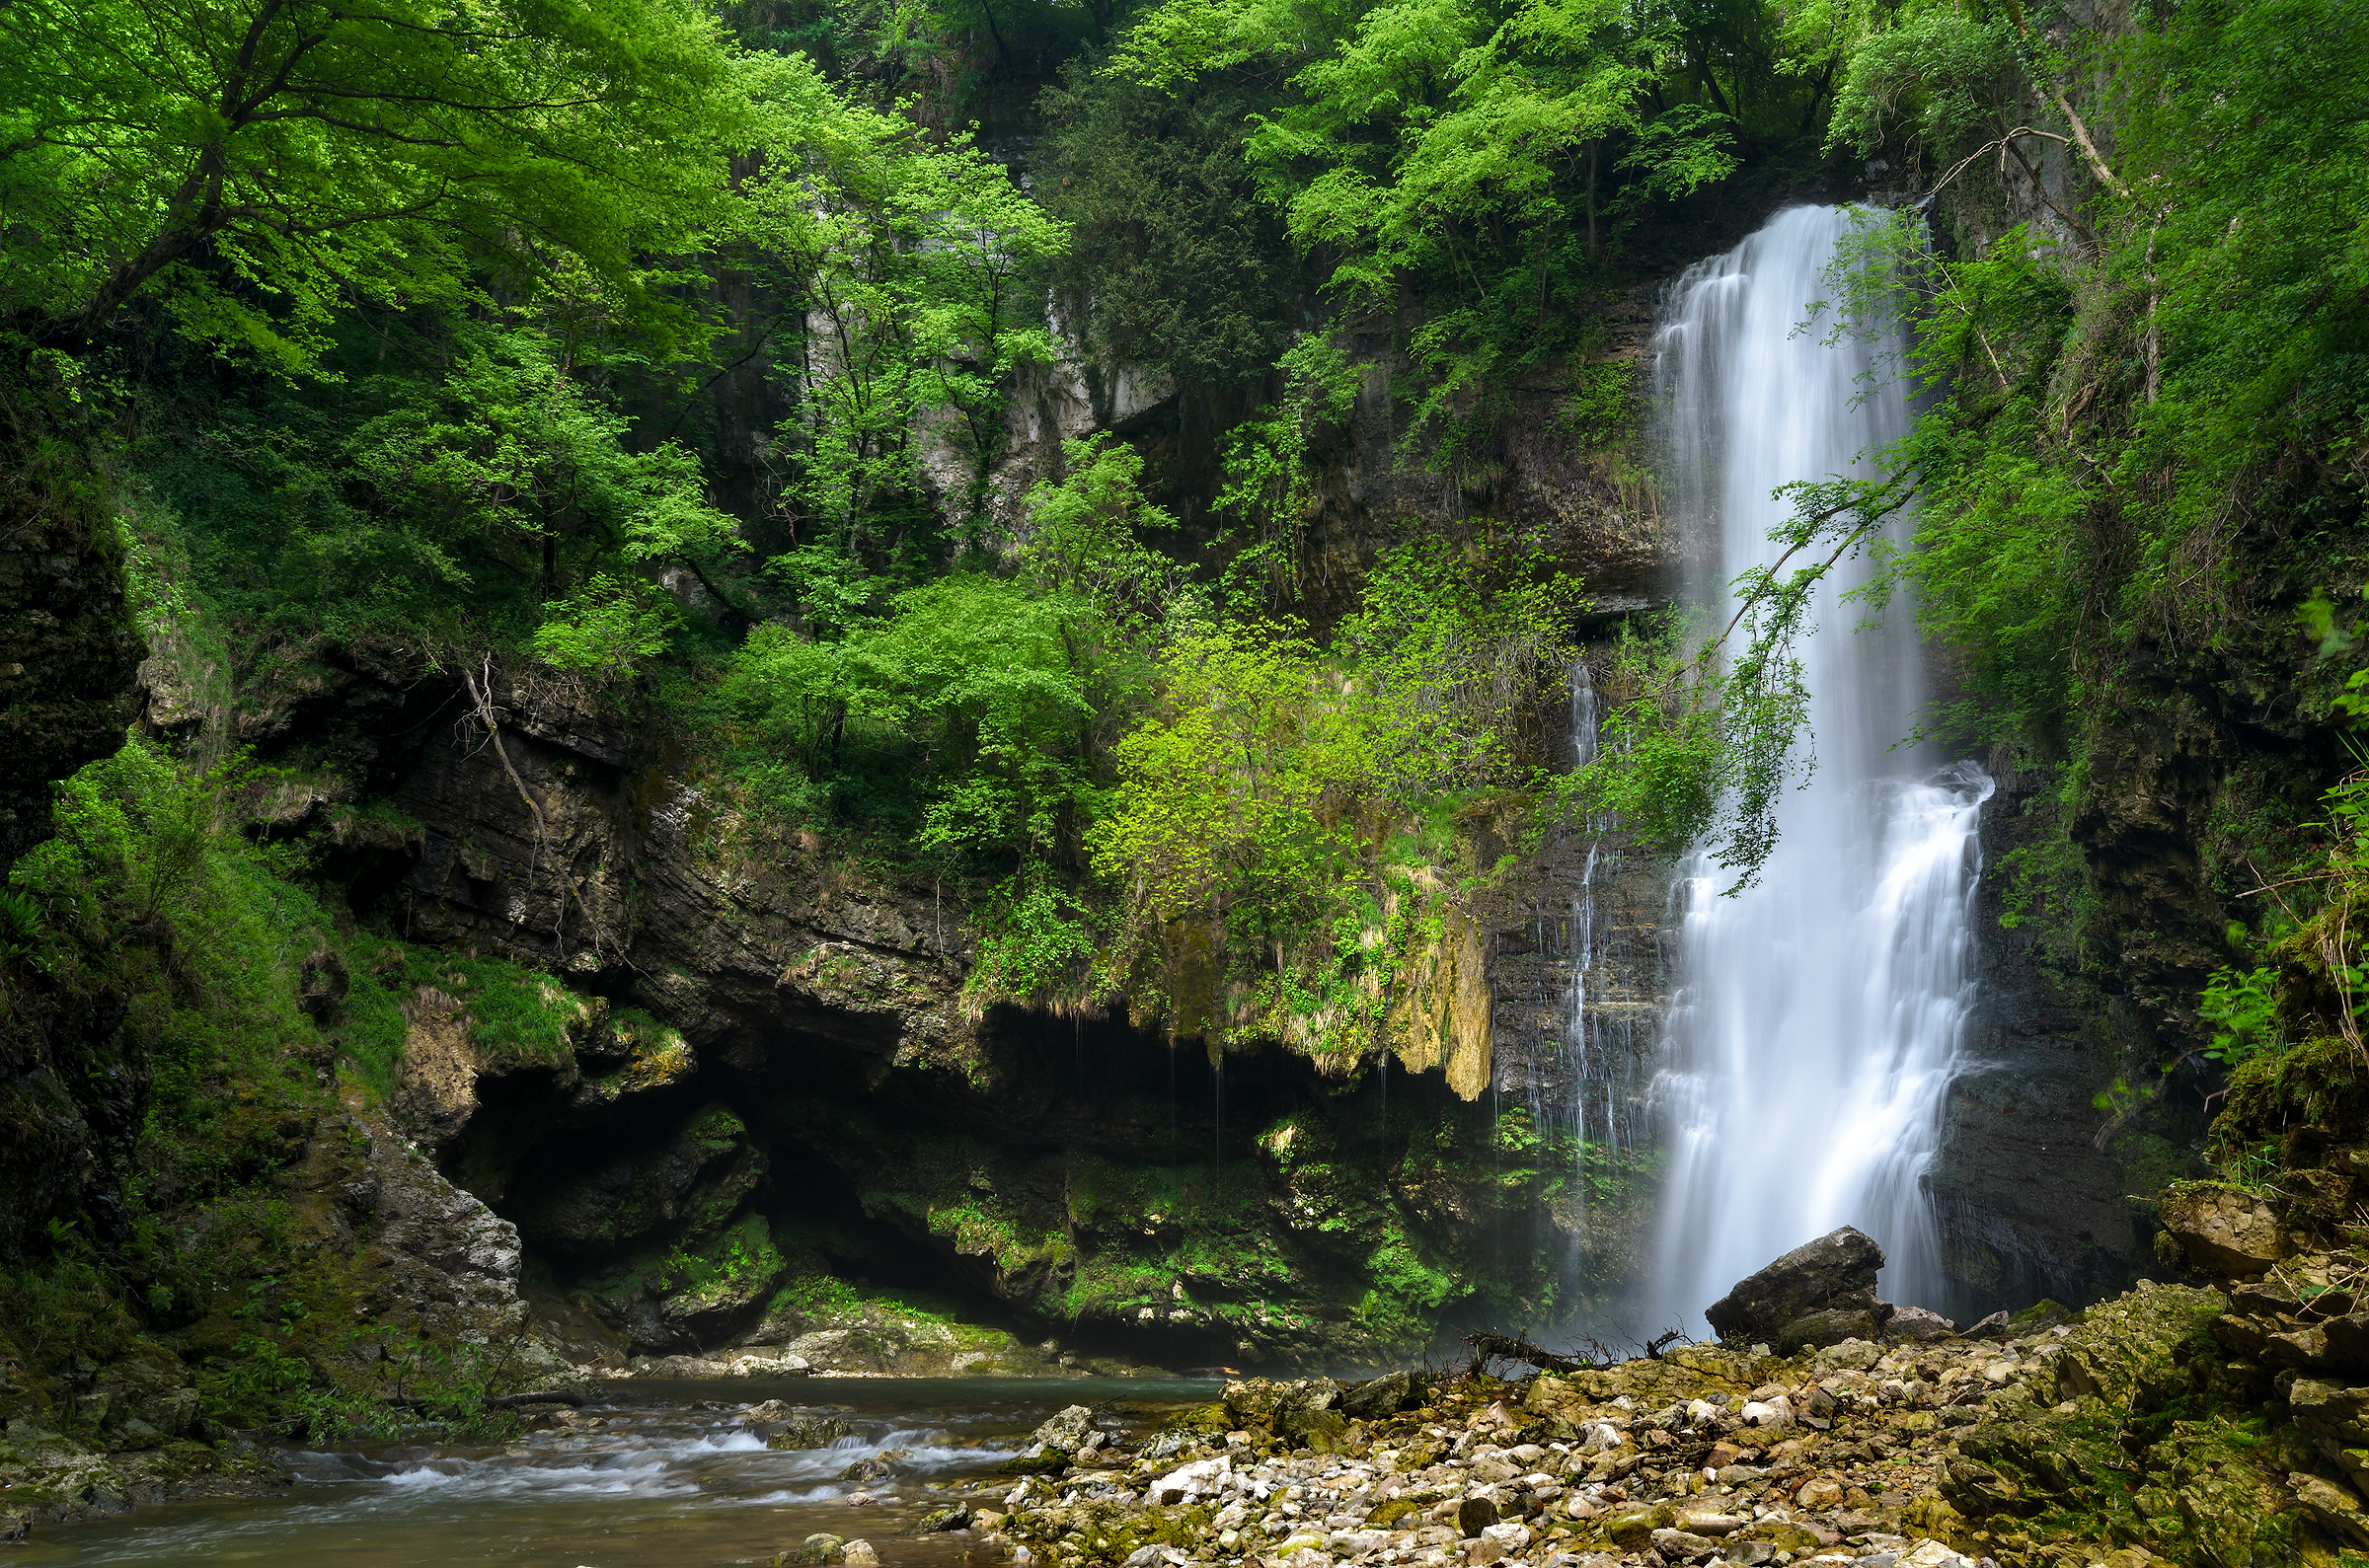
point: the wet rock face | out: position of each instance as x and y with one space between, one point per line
1826 1286
697 1175
68 647
2026 1202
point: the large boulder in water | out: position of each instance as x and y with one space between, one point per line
1833 1275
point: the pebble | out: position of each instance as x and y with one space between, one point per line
1748 1480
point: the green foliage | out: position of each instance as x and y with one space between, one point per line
415 1389
972 693
1258 810
1938 81
1037 938
1218 790
258 167
974 719
1479 157
20 926
1271 476
1080 538
2242 1008
1604 405
737 1260
602 628
911 260
1451 657
1175 267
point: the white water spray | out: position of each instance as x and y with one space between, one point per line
1818 1018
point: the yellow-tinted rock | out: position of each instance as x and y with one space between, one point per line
2222 1230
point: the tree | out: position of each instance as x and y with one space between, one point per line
907 264
261 163
512 448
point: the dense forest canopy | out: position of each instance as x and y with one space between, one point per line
676 352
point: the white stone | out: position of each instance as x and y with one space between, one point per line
1067 1430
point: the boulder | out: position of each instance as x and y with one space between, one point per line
1634 1526
1852 1355
2222 1230
1306 1412
1835 1326
1067 1430
1678 1546
955 1516
808 1432
2335 1510
1834 1273
435 1086
2336 1419
1381 1396
1917 1327
1819 1492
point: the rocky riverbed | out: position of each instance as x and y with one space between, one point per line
1847 1454
2208 1423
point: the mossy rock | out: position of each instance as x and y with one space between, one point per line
1052 1462
818 1548
810 1432
1634 1529
1207 1419
1387 1515
1318 1431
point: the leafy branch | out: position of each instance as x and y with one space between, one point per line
1702 738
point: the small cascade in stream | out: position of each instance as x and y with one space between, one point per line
1817 1023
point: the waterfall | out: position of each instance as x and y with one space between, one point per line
1588 1080
1818 1015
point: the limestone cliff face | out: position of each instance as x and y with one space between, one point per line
2030 1204
1534 473
770 1075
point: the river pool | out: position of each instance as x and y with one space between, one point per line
649 1473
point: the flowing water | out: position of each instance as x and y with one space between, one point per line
656 1473
1818 1018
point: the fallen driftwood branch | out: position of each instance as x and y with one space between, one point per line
1488 1347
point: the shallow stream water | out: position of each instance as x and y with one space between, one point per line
649 1473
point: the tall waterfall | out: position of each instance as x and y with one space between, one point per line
1818 1014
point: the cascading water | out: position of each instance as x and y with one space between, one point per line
1817 1022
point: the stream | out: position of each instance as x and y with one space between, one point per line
648 1472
